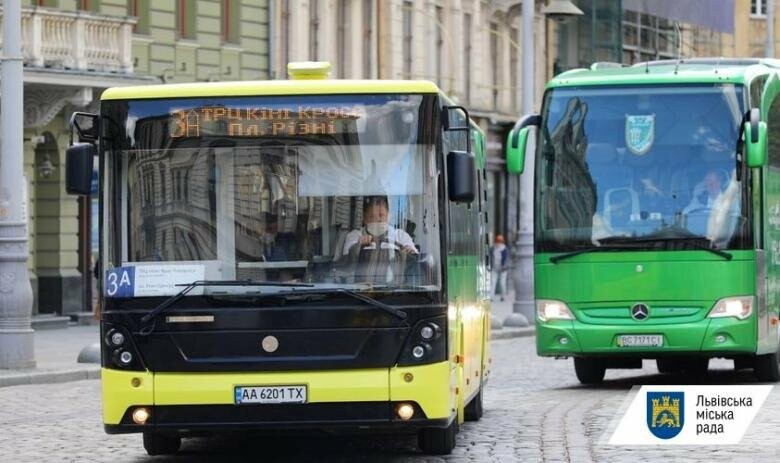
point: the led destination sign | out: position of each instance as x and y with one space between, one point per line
264 121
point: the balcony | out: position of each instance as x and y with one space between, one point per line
76 41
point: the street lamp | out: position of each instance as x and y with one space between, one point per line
523 308
560 10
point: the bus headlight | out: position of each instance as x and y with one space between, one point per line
117 338
119 349
552 310
426 343
738 307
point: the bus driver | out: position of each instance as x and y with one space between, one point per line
376 245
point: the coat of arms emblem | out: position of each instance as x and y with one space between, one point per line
665 413
640 133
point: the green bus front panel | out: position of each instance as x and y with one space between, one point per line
679 288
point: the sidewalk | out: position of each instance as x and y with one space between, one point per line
499 311
56 351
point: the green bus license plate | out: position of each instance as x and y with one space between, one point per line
640 340
270 394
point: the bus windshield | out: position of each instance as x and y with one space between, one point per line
645 166
326 190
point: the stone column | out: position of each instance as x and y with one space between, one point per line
16 335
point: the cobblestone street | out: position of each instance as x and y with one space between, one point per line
535 411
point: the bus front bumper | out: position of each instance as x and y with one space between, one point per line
348 400
710 336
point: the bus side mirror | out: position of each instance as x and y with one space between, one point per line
78 168
461 174
515 150
755 139
517 143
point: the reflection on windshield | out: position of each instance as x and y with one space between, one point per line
630 162
350 210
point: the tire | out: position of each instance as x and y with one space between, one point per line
697 366
767 368
474 410
161 444
668 365
438 441
588 370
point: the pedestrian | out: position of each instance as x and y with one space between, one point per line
499 264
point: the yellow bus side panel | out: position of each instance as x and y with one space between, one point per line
323 386
431 387
119 393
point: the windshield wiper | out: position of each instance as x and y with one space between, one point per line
604 247
145 331
692 240
349 292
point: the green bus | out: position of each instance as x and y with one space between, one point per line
657 215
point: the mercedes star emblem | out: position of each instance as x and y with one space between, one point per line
639 312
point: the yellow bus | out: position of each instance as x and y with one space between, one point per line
305 254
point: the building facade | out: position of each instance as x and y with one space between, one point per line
631 31
73 50
470 48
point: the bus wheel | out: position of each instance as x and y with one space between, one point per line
696 365
438 441
473 411
160 444
766 368
589 371
668 366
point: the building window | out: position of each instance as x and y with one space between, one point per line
494 62
407 40
368 36
314 29
231 21
647 37
758 7
139 9
439 45
467 56
88 5
186 13
342 27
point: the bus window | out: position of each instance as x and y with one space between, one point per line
341 190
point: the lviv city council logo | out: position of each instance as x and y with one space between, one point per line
665 413
640 133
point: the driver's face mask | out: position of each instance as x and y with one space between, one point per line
376 228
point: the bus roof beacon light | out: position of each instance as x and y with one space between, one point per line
308 70
560 10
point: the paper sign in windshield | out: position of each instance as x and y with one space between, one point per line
151 280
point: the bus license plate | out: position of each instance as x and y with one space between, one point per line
270 394
640 340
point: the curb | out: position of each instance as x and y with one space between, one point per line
511 333
50 377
